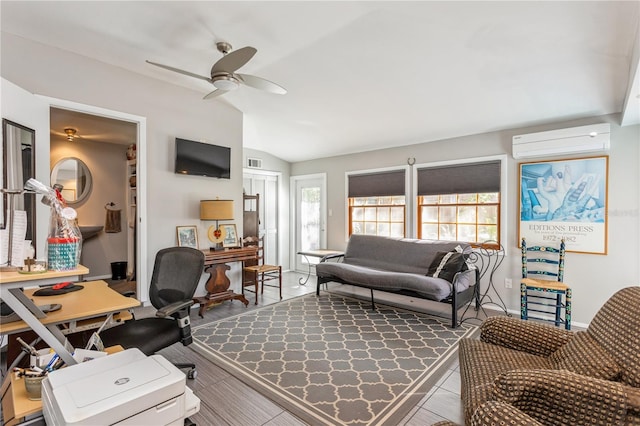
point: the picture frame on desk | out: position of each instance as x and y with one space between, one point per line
187 236
230 235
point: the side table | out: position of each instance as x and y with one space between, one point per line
217 286
323 254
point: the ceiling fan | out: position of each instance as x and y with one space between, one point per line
223 72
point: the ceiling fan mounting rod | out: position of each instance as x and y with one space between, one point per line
223 47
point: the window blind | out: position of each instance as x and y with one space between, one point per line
381 184
460 179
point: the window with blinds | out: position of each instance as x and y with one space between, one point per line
460 202
377 203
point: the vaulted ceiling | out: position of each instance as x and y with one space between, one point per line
368 75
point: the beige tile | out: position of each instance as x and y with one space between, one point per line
452 383
422 417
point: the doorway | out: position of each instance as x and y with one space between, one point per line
266 184
309 211
125 129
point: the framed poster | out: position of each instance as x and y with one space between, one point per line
565 199
187 236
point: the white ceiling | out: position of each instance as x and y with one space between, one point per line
368 75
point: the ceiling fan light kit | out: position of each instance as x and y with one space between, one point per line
223 76
225 82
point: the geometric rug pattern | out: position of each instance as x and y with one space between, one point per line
331 359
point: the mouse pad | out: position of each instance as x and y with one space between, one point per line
49 291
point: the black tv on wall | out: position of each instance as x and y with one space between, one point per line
202 159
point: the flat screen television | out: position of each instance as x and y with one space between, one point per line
202 159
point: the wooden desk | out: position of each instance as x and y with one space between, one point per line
95 300
217 286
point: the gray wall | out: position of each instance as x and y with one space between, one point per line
170 111
593 277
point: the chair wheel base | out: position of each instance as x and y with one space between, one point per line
192 374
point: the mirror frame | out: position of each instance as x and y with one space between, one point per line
31 213
80 198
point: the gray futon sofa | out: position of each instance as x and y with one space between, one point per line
418 268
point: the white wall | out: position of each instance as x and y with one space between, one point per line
170 111
593 277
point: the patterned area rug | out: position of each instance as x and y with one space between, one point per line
332 360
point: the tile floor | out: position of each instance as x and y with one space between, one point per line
227 401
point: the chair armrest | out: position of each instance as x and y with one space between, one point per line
526 336
500 413
173 308
563 397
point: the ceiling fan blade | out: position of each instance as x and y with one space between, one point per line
261 84
190 74
233 60
215 94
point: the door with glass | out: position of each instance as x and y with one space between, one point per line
310 214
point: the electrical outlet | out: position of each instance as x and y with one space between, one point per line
508 283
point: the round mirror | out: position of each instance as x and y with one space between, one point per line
74 177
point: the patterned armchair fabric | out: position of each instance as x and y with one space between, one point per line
526 373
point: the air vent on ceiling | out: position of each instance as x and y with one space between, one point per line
254 163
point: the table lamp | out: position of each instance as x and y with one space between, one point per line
216 210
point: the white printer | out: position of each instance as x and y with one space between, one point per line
126 388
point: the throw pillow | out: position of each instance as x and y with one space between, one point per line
446 264
582 355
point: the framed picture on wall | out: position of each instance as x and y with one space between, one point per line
230 236
187 236
565 199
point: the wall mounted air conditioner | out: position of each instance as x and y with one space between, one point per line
576 140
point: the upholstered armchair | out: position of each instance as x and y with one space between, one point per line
526 373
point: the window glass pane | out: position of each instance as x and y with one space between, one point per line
449 199
371 201
447 232
370 214
467 233
357 213
487 232
383 214
487 214
430 199
398 200
357 227
384 201
397 214
467 214
429 214
358 201
490 197
429 231
467 198
370 228
397 230
447 214
383 229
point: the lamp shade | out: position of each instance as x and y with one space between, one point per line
216 209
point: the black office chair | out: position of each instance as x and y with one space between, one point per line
176 274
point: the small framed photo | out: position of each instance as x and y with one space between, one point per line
187 236
230 235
